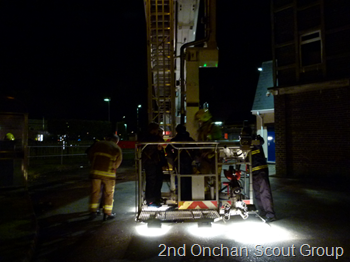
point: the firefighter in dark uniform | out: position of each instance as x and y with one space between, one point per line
105 157
186 159
261 183
153 162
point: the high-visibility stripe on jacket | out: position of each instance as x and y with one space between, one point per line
258 158
256 152
259 167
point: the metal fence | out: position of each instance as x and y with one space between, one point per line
66 154
60 154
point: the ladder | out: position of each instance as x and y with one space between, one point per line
160 51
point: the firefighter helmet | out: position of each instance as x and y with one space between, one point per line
9 136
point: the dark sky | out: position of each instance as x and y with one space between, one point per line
63 57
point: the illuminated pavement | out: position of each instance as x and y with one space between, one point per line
312 226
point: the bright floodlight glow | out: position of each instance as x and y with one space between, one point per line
270 138
143 230
218 123
260 69
256 231
106 99
139 106
210 232
132 209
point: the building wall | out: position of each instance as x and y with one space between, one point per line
281 134
311 40
312 133
311 55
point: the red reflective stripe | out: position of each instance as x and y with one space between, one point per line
198 204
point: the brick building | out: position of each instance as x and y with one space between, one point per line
311 71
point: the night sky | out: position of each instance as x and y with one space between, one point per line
62 58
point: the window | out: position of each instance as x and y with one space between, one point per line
40 137
310 48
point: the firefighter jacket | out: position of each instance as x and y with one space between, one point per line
153 154
208 131
105 157
258 157
186 156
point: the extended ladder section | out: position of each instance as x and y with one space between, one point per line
160 50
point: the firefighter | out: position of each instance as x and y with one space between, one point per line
154 161
186 159
105 157
207 131
261 183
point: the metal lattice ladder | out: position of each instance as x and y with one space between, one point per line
160 45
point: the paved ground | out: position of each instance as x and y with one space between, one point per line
19 225
18 220
310 215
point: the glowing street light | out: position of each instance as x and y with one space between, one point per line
137 124
109 108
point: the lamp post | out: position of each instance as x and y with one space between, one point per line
109 108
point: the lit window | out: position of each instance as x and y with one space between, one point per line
311 48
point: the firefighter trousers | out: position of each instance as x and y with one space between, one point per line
154 182
262 193
107 186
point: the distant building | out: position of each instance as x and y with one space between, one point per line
37 129
311 64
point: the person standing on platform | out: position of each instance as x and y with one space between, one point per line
186 159
153 162
261 182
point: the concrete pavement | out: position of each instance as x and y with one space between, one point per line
18 225
18 222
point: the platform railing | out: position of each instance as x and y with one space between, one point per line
220 160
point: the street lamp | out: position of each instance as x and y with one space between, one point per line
137 124
109 108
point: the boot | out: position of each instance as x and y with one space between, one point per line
109 217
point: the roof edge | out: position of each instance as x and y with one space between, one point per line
263 111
